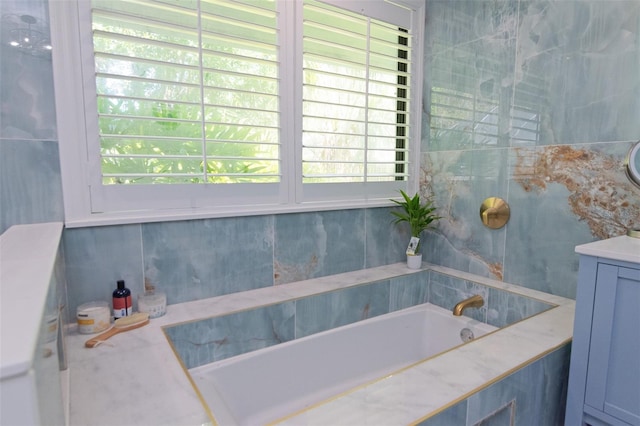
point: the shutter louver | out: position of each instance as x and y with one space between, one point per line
355 97
187 91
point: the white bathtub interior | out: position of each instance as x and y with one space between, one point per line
264 385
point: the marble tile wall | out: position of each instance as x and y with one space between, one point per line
217 338
196 259
201 342
30 186
536 102
500 308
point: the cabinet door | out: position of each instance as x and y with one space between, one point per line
613 376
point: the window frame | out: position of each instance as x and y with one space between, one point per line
75 118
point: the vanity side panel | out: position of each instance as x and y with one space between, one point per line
587 273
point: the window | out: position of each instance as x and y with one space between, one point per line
233 107
355 83
187 94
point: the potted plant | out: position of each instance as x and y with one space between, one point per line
420 217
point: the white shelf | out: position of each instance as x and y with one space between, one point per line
27 258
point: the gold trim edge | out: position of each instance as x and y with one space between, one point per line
422 361
207 410
492 381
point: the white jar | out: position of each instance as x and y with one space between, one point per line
155 304
93 317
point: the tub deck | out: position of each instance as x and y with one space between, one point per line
159 391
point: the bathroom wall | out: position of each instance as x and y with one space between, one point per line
187 259
547 97
195 259
556 90
30 187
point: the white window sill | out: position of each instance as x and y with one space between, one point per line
122 218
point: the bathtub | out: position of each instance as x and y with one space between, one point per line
520 367
263 386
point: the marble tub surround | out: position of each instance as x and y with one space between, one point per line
213 339
532 395
347 297
403 398
501 307
143 359
201 342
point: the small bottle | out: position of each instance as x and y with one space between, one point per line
122 306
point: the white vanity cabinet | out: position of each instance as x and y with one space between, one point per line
30 379
604 378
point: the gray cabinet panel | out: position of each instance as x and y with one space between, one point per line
604 381
613 376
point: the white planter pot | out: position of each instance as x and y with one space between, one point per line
415 261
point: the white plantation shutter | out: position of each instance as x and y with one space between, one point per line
221 107
190 87
355 100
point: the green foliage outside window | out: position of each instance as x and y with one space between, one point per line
171 114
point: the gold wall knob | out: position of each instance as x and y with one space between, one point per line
494 212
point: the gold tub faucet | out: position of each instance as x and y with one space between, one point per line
472 302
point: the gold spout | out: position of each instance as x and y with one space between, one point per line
472 302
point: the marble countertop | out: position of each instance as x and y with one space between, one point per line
618 248
27 255
135 378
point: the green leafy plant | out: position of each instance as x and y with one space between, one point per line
419 216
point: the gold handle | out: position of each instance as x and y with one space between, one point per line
494 212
